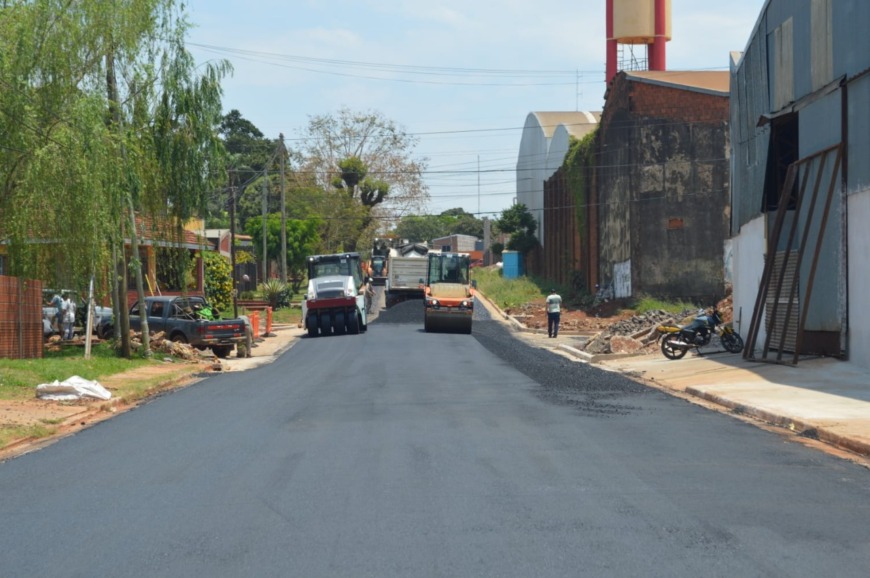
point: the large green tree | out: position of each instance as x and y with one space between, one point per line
459 222
302 240
254 156
418 228
104 116
520 224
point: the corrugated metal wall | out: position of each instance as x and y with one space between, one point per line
562 257
20 318
749 143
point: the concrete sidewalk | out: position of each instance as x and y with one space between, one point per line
821 398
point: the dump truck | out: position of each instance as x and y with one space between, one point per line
406 273
335 301
449 296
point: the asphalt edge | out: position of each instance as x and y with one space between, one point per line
798 427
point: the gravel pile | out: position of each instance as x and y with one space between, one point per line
648 320
583 387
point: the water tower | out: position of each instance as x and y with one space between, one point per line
638 22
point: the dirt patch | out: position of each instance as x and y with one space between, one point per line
572 320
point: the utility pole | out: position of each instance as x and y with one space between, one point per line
265 272
233 245
283 212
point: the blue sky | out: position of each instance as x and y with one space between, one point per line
461 75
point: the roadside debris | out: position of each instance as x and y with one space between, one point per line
72 389
160 344
633 334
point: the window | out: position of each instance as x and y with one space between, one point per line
784 150
157 309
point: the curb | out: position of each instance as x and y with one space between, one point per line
800 427
594 357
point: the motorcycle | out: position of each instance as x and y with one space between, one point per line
677 341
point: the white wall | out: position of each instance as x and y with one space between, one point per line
531 167
748 249
544 143
859 278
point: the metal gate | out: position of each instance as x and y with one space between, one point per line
777 301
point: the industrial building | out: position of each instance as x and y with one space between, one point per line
543 146
653 215
660 190
800 121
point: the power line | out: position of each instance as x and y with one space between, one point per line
306 63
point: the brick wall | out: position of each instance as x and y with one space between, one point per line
20 318
662 188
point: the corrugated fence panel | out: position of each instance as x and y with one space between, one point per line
782 322
20 318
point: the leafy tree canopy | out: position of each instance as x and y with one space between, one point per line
303 239
242 137
419 228
519 223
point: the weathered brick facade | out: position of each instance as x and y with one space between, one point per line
662 190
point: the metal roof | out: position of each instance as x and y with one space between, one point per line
710 81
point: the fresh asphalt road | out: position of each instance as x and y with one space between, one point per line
401 453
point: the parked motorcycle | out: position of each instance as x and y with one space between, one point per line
677 341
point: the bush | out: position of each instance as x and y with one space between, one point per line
646 303
218 281
275 291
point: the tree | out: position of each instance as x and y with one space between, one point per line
458 222
519 223
104 117
302 240
420 228
218 281
348 148
255 155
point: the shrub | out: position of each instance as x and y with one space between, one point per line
218 281
275 292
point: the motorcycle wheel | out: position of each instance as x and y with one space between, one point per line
670 350
732 342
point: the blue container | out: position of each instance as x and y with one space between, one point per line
512 264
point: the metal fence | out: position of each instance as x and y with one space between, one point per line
21 335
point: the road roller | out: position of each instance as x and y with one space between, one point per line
448 293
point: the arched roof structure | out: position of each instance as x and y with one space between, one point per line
543 146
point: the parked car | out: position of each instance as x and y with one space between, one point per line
102 322
184 319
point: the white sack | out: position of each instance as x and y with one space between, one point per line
72 389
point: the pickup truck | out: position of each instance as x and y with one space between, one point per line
179 318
